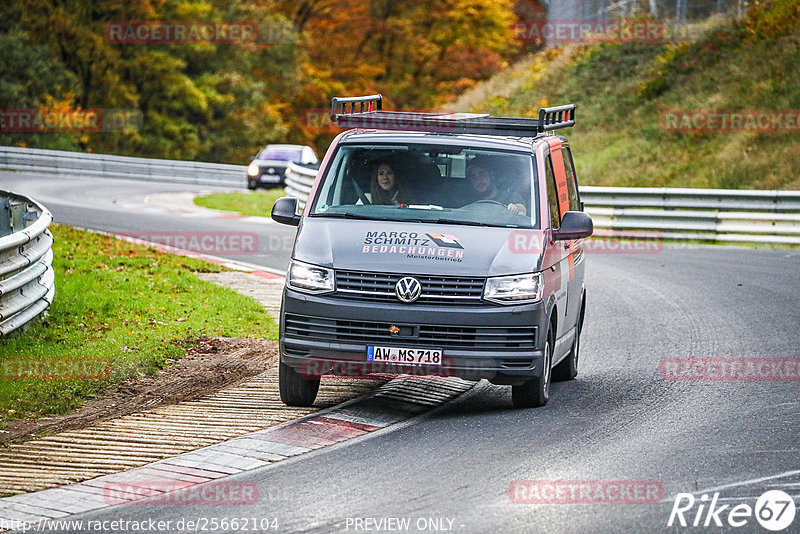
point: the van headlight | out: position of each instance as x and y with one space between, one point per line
310 278
514 289
253 170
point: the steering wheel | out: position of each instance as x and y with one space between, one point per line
486 202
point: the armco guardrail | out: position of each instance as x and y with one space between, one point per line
704 214
27 281
298 182
65 163
725 215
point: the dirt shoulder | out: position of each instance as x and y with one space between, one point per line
212 364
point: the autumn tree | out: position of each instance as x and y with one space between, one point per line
218 101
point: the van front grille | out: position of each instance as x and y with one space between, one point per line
379 287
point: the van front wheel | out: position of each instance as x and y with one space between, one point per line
568 368
295 389
535 393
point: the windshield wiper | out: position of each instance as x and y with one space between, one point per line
352 216
471 223
420 220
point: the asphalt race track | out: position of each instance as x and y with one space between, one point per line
623 419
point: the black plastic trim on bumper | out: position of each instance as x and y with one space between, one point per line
315 356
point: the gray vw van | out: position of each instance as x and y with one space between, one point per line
437 244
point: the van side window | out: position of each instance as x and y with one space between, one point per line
572 181
552 194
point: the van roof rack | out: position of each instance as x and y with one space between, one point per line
367 112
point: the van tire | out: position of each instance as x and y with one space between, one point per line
295 389
535 393
568 368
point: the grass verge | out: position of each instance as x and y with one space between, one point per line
122 309
251 203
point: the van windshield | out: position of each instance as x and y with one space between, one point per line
430 183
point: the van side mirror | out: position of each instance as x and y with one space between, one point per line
284 211
574 225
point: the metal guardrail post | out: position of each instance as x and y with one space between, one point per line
27 280
5 216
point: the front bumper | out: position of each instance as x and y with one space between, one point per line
329 334
268 176
265 179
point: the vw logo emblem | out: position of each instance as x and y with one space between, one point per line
408 289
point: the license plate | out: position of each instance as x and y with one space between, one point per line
404 355
270 178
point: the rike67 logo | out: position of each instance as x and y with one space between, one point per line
774 511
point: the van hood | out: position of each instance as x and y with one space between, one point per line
418 248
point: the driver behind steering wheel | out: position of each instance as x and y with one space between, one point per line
485 187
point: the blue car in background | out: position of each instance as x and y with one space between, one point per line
268 169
